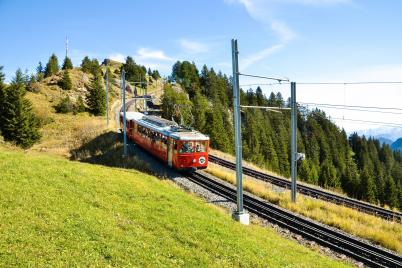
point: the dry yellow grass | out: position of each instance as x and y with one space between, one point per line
67 132
255 167
382 232
245 163
62 132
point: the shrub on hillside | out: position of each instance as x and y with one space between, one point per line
32 85
79 106
67 106
64 106
65 83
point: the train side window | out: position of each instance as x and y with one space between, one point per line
200 146
187 147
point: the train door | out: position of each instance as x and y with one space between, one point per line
170 152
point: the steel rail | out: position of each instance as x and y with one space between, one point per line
313 192
336 240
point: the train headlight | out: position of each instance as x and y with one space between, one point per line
202 160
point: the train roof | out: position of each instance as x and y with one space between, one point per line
166 127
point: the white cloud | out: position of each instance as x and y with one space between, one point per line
263 11
149 54
283 31
193 47
117 57
150 58
249 60
260 11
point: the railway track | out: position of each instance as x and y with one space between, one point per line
338 241
316 193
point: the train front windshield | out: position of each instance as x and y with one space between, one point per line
193 147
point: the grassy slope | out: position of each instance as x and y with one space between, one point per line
63 132
56 212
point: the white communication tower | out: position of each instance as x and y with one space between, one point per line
66 46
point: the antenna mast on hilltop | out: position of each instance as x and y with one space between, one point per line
66 46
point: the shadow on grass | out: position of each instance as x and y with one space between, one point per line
107 149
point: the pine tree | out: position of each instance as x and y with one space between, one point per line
40 69
86 65
279 100
134 72
328 176
314 174
96 97
176 105
200 109
67 64
391 193
156 75
351 179
32 86
215 129
368 190
304 170
2 76
399 191
40 72
95 68
65 83
19 78
52 67
2 98
272 100
259 96
26 77
19 123
186 74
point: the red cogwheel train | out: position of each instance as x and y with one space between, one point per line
179 147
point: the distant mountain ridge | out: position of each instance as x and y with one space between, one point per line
388 133
397 145
384 140
389 136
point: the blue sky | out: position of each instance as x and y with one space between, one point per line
304 40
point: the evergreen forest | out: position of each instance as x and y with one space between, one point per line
359 166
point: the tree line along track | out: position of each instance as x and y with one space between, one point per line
316 193
323 235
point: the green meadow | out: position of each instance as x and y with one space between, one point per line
55 212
